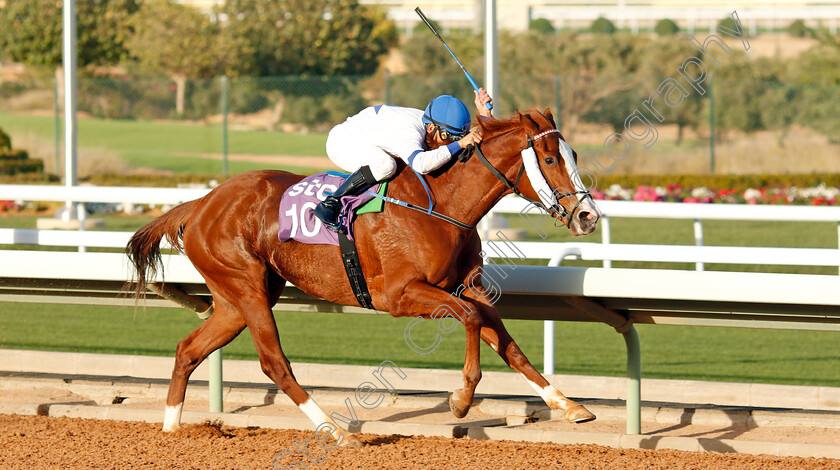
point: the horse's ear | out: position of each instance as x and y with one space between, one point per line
550 117
527 122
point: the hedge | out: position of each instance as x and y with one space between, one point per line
13 167
29 178
17 154
735 182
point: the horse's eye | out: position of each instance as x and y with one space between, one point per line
549 160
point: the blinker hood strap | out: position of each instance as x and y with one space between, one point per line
538 182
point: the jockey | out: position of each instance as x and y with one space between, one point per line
368 142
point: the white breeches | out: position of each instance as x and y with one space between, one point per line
350 151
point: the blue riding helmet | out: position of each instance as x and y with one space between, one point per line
449 115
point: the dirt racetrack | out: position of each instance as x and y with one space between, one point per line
46 443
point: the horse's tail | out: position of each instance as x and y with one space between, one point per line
143 249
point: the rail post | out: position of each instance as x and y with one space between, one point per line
698 240
215 385
605 236
634 381
548 347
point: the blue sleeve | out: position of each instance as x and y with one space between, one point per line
454 148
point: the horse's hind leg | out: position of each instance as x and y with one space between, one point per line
276 366
218 330
250 290
494 333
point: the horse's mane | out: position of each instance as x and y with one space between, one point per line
494 126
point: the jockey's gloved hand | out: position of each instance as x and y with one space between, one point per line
473 138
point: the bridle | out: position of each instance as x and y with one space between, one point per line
552 205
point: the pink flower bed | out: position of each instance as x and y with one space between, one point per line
821 195
9 206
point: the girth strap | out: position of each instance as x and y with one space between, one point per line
350 258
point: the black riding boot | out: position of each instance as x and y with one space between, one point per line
329 209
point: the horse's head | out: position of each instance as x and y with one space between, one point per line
547 174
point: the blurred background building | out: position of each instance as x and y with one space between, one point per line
634 14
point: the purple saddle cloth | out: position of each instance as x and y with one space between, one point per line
297 216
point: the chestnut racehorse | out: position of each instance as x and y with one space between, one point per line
411 262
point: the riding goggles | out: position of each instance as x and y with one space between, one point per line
446 135
446 131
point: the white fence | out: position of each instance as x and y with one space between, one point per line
626 295
605 251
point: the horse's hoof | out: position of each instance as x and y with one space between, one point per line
578 414
352 442
458 410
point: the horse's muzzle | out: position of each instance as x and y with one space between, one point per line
584 221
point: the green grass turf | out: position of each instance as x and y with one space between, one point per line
162 145
672 352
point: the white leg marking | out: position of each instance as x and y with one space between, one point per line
172 418
317 416
550 395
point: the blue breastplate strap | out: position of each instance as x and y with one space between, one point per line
426 186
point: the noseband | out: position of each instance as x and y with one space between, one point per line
552 205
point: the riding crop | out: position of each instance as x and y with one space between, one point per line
434 30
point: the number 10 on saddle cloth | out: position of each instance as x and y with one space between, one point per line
298 221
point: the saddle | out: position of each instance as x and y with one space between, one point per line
298 222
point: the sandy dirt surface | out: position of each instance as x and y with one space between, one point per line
44 442
441 414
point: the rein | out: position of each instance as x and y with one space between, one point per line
426 211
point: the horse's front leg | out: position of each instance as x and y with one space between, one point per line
424 300
494 333
462 399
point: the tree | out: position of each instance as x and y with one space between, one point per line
602 26
5 141
310 38
541 25
660 56
751 90
728 23
307 37
31 32
595 69
431 70
666 27
798 29
817 74
421 28
177 41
